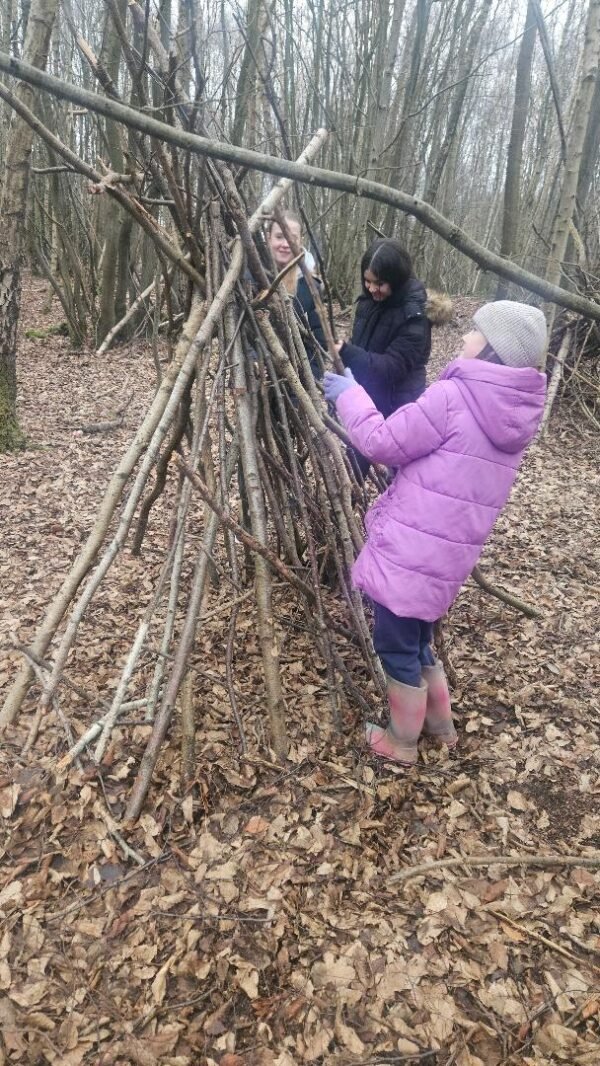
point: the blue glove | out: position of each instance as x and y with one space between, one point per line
335 384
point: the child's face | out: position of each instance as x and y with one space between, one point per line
473 343
378 290
280 249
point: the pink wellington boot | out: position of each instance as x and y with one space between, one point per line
438 717
398 742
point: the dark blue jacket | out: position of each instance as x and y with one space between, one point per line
390 346
304 305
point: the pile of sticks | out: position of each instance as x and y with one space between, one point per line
576 363
239 421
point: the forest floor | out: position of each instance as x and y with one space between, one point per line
261 925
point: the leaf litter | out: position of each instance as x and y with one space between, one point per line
256 925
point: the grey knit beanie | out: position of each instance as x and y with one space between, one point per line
516 332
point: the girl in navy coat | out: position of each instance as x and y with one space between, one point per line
391 336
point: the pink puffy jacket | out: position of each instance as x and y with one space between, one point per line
457 450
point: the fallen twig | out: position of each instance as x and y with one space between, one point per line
503 595
537 936
592 861
103 427
126 848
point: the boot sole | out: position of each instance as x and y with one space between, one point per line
440 742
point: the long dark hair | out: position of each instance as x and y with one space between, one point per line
388 261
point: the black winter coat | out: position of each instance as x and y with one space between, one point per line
390 346
304 306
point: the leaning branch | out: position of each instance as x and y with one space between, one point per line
197 331
316 176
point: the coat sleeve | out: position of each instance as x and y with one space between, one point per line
308 311
408 351
415 430
314 323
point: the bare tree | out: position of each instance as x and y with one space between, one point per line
12 211
576 140
512 187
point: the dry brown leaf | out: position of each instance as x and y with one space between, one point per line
30 995
555 1039
159 984
517 801
348 1037
503 998
224 872
339 972
256 824
214 1024
11 894
436 902
317 1044
494 891
9 798
465 1058
247 979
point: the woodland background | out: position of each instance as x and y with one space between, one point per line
199 862
488 112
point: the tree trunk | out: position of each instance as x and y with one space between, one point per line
418 34
465 66
589 154
12 211
247 80
111 217
512 187
581 113
383 103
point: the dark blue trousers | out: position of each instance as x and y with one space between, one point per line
403 645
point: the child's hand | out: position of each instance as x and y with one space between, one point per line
335 384
340 345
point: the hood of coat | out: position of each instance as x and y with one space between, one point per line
506 402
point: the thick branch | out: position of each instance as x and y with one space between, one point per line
318 176
506 597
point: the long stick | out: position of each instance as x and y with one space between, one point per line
426 868
555 378
258 523
114 332
106 511
318 176
180 665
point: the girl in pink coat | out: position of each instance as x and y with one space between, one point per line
456 452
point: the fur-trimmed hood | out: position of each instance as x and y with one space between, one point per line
438 308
